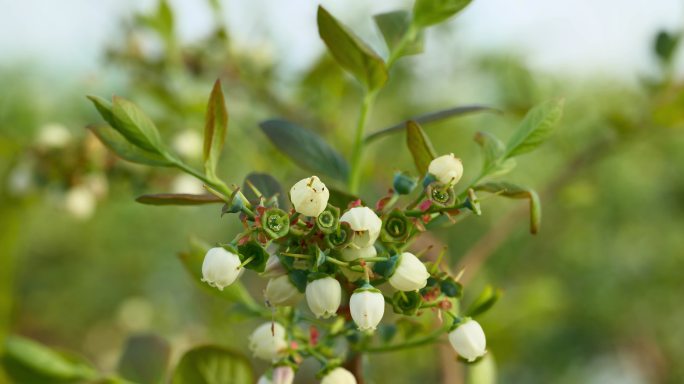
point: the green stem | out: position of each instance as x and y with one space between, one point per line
396 53
355 174
429 339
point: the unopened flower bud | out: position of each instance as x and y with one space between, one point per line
280 375
367 306
220 268
447 169
281 291
339 375
365 223
468 340
404 184
309 196
324 296
410 273
268 341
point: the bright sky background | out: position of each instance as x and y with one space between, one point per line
575 37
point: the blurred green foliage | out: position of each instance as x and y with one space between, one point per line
595 296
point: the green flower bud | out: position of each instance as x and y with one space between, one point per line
396 227
441 195
404 184
275 222
451 288
329 219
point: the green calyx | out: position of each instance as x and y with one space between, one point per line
386 268
396 227
406 303
366 287
451 288
341 237
441 195
328 220
457 322
275 222
253 256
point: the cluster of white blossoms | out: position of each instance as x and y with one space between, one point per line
315 241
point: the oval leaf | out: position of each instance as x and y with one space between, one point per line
125 150
178 199
213 365
536 127
394 26
26 361
305 148
145 359
216 124
420 146
429 12
484 302
134 125
350 52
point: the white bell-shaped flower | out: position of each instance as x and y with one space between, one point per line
324 296
446 169
339 375
220 268
410 273
468 340
351 254
365 223
280 375
268 341
281 291
367 306
309 196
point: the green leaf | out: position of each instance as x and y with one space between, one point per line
134 125
517 192
215 127
536 127
213 365
305 148
341 199
350 52
420 146
394 26
484 302
145 359
26 361
178 199
267 185
125 150
430 12
666 45
493 150
431 117
192 261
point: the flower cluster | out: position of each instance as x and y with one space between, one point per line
347 263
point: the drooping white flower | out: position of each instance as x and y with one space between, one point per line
309 196
339 375
410 273
80 202
365 223
220 268
447 169
367 306
188 144
468 340
53 135
280 375
351 254
281 291
268 341
324 296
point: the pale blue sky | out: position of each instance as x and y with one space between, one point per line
576 37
